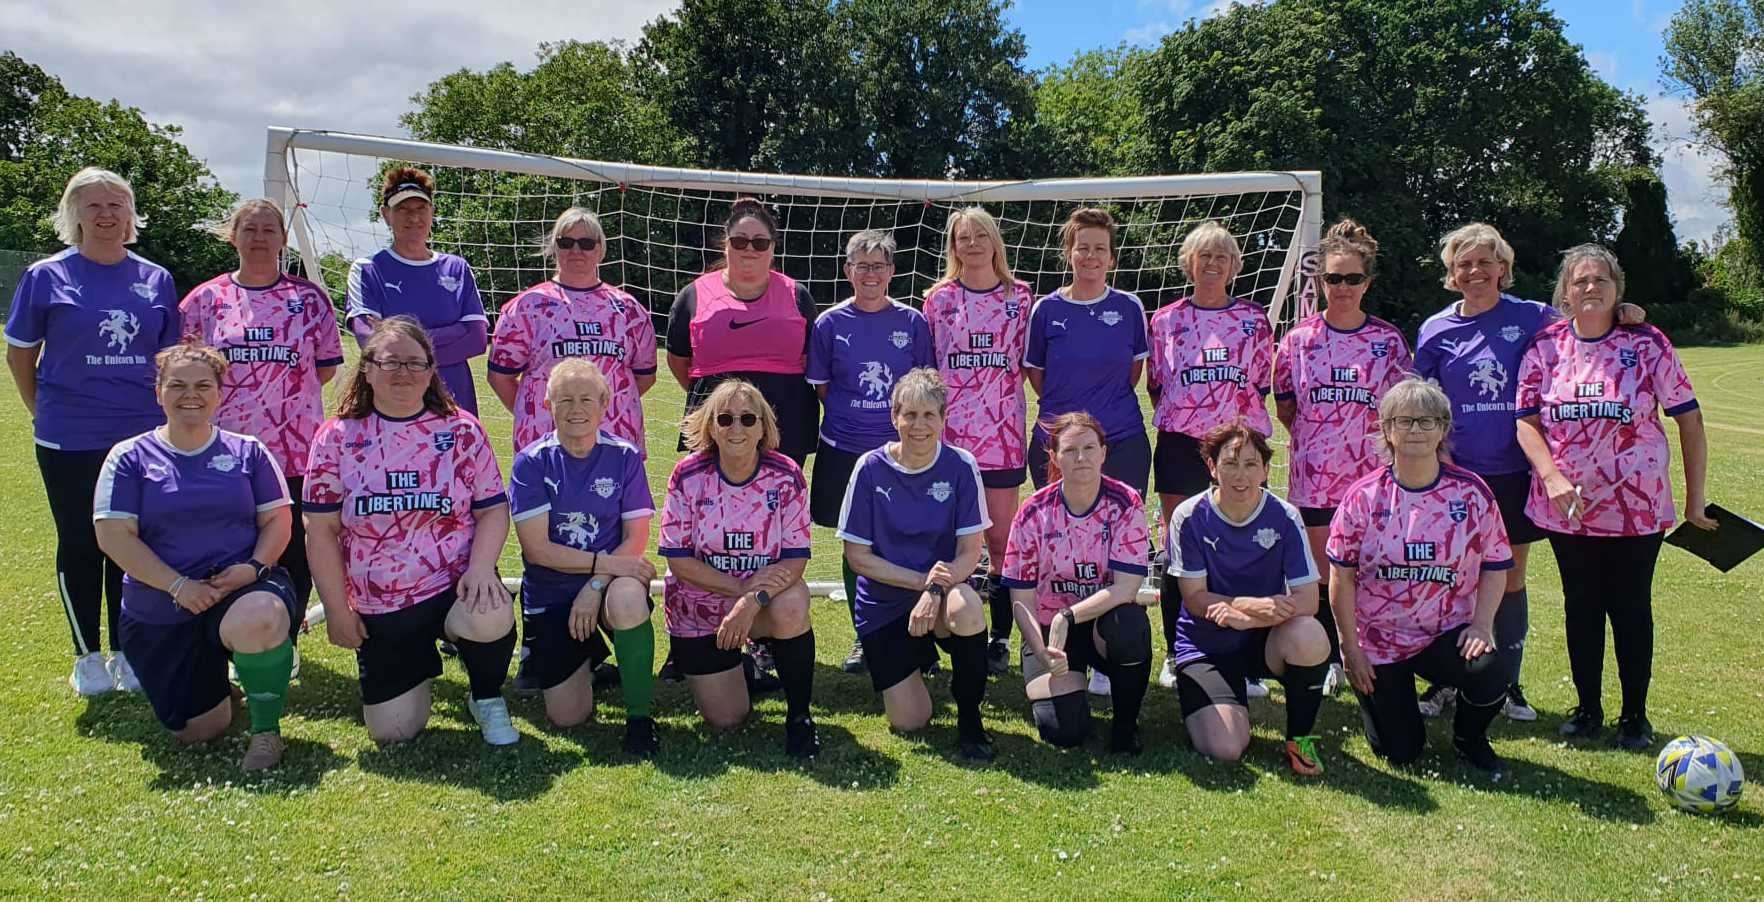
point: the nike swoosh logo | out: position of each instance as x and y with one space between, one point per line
746 324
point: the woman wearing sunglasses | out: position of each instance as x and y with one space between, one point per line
735 533
743 319
1329 373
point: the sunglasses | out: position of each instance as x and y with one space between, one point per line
726 420
1351 278
742 242
570 244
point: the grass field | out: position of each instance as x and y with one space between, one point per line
96 801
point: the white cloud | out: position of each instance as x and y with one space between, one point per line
1697 198
1148 34
1604 64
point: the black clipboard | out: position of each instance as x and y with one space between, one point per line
1727 547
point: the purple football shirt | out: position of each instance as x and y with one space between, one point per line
585 500
1475 359
1087 350
439 292
858 355
1262 556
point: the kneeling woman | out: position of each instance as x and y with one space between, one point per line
582 509
913 523
190 513
1418 556
1076 559
1249 604
405 517
735 531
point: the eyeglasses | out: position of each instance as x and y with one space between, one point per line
393 366
1405 424
742 242
864 269
726 420
570 244
1351 278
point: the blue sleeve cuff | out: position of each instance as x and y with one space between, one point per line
1263 390
665 551
1686 407
1497 565
314 507
1014 583
1344 564
492 501
506 370
1520 413
646 371
1121 567
797 553
1285 395
329 361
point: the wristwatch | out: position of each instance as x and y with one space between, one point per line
597 583
1070 618
259 568
764 598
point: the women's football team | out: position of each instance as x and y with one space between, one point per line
200 495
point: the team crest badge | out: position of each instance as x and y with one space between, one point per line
617 305
1011 309
900 339
443 440
1512 333
225 463
1459 510
296 305
1380 349
771 499
1266 537
450 283
939 491
1110 317
1381 518
1248 327
1626 356
143 290
605 487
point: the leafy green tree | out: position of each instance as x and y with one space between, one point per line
47 134
1715 53
1088 117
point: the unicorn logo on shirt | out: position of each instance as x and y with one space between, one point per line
1512 333
224 463
1110 317
443 440
900 340
1458 510
579 529
144 291
605 487
939 491
450 283
876 379
1627 357
1266 537
395 286
1488 377
119 328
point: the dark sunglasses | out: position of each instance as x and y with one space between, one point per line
726 420
1352 278
587 244
742 242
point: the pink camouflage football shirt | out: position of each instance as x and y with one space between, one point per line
1597 404
547 323
274 339
1417 556
738 529
979 339
406 490
1211 367
1067 557
1336 378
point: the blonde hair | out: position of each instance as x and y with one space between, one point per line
978 218
1586 253
188 352
923 384
568 220
227 229
1209 235
67 213
1421 397
572 367
1475 235
697 428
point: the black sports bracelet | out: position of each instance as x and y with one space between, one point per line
763 597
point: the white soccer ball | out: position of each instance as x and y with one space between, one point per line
1699 774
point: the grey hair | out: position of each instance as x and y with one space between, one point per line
1470 237
1414 396
870 241
1586 253
921 385
567 220
1213 236
67 213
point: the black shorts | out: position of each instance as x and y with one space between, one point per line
556 655
1510 491
1004 479
1129 461
832 473
1177 465
400 651
183 666
700 656
1317 516
892 654
1207 681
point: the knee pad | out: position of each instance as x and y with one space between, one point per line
1063 720
1127 630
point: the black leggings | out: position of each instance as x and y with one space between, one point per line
84 578
294 558
1609 577
1393 721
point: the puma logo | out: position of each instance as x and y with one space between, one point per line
1212 542
1057 322
843 339
395 286
884 492
77 291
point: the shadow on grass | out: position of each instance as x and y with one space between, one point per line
452 751
699 753
127 718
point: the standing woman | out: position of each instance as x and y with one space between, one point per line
1328 376
911 523
84 326
1077 557
1588 391
745 320
735 532
405 517
857 351
1416 552
437 290
279 336
573 314
1212 357
193 513
1087 350
980 332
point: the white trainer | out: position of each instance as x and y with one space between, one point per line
492 717
1334 679
1255 689
91 675
1167 673
122 674
1099 683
